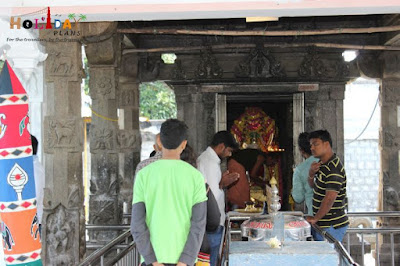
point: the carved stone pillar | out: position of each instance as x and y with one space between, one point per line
128 138
63 218
389 145
324 110
104 207
198 111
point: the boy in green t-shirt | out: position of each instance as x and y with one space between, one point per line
169 205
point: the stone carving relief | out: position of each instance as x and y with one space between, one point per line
391 202
102 83
61 133
61 65
104 187
126 182
342 69
128 139
127 98
105 211
259 64
104 86
309 113
391 64
102 139
390 94
389 139
178 72
386 139
149 68
75 197
386 177
208 66
104 178
209 116
61 237
312 66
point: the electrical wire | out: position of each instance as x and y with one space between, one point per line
369 120
102 116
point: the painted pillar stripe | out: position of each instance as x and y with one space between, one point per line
17 259
12 99
18 205
20 225
14 153
16 85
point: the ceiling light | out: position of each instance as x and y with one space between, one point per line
168 58
349 55
261 19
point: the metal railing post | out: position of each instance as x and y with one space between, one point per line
348 242
377 249
392 247
362 249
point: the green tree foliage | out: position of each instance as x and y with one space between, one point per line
1 64
157 100
86 80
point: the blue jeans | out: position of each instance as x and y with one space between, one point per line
214 240
337 233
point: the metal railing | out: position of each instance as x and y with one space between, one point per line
346 259
391 232
373 231
126 252
125 247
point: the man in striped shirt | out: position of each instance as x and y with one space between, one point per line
328 179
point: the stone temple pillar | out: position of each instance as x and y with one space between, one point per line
389 145
104 208
63 222
197 110
128 137
324 110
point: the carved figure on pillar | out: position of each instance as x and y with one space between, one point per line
208 66
312 65
60 238
259 64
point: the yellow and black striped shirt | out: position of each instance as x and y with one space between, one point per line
331 176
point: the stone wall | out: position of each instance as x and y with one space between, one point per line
362 168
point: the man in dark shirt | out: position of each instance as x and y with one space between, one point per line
328 178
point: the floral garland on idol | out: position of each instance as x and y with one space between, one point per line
255 128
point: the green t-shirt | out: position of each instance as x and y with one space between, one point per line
169 189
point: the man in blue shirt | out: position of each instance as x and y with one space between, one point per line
301 189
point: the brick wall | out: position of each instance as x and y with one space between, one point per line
362 170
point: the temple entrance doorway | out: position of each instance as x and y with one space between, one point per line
279 108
